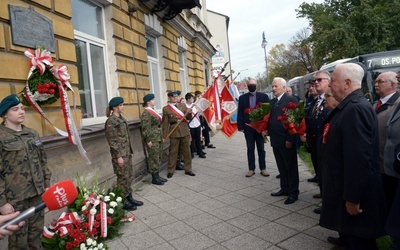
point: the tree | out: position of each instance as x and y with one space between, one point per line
347 28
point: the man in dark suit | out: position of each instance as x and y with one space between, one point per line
250 100
283 144
352 188
316 114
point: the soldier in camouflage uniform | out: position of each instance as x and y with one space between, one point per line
24 175
180 138
152 137
117 134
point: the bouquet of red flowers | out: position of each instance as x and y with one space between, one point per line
293 118
259 117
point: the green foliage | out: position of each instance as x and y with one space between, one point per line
259 112
36 79
348 28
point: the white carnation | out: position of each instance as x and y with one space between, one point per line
93 211
112 194
100 246
113 204
97 202
119 199
107 198
89 241
110 211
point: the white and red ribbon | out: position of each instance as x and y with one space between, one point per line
177 112
40 59
153 112
60 225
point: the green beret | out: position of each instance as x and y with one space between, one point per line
172 93
116 101
8 102
179 92
148 97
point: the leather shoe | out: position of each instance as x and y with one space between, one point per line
278 176
339 241
129 207
250 173
314 179
280 193
202 156
291 199
190 173
264 173
317 196
180 166
210 146
318 210
169 175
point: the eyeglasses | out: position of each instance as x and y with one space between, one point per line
380 81
320 79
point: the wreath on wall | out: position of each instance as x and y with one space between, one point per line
42 82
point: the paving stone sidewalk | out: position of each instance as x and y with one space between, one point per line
220 208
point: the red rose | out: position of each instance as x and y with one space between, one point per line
51 91
98 216
85 225
247 111
284 110
109 220
96 224
69 245
291 105
76 243
85 212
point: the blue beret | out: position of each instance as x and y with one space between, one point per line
116 101
8 102
172 93
148 97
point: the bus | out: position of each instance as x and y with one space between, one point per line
373 64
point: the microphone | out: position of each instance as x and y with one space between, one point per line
57 196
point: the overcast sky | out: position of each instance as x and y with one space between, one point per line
248 20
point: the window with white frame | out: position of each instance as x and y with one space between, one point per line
153 64
90 45
182 71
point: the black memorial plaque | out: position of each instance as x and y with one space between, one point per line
31 29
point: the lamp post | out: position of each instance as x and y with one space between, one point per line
264 46
238 75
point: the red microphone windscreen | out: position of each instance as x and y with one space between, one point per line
60 195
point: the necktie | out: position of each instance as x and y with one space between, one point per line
378 104
315 106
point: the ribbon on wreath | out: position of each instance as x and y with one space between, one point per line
103 214
42 59
61 225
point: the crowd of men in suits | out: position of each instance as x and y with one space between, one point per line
354 147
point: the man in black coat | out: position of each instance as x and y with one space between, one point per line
250 100
352 189
283 144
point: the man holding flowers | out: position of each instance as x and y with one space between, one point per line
253 137
282 143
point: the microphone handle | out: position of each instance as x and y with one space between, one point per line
24 215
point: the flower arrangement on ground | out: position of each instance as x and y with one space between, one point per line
293 118
94 217
259 117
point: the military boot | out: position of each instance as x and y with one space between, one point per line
160 178
129 206
133 201
155 180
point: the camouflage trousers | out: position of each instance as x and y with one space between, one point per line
28 236
124 175
154 155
